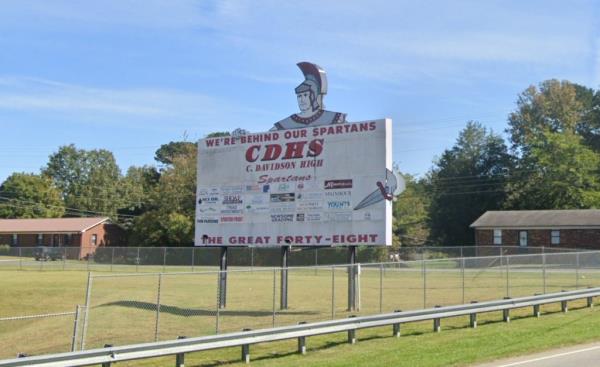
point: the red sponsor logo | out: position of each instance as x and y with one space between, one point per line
232 219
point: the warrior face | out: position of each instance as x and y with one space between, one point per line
304 101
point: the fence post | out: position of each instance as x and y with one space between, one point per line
88 294
285 251
112 259
332 292
577 270
75 328
64 258
252 258
507 276
274 294
137 260
164 259
462 269
380 288
218 313
157 325
193 258
424 270
544 272
20 259
316 260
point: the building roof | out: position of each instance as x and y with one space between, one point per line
539 219
49 225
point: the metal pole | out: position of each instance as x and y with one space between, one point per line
86 319
380 288
462 269
577 270
156 327
137 260
218 302
20 259
193 257
64 258
252 258
274 293
112 259
316 260
75 328
283 304
351 278
223 278
332 292
507 276
424 267
544 272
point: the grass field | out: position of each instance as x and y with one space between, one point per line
123 308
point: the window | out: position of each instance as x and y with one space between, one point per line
40 239
555 237
15 239
67 240
94 239
497 236
523 238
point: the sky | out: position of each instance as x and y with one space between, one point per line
130 75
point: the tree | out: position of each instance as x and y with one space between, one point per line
89 180
167 152
554 136
466 181
170 221
25 195
410 227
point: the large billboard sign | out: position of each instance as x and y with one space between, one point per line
315 186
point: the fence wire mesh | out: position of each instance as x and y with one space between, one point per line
144 306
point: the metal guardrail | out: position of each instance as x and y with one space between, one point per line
244 339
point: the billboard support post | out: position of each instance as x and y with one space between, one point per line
223 277
351 278
285 251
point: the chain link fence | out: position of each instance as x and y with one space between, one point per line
191 259
141 307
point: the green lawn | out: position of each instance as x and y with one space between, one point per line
123 309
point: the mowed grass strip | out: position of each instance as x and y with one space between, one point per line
456 345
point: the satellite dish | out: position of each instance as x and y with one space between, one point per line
400 184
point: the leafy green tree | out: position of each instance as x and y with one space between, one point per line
467 180
89 180
554 136
410 211
170 221
25 195
167 152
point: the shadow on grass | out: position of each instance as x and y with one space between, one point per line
190 312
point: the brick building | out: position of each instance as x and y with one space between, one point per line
85 233
559 228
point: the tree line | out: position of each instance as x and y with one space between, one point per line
548 160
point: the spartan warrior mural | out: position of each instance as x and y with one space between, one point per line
310 95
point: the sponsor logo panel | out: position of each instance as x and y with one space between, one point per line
338 184
300 217
339 217
208 220
313 217
310 205
232 199
338 194
283 198
338 205
236 189
282 217
232 219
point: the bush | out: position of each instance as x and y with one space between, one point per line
4 249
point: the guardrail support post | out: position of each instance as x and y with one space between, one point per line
107 364
563 306
302 341
506 315
180 357
590 302
352 333
396 327
536 311
473 318
246 351
437 322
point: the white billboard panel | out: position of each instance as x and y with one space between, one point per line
316 186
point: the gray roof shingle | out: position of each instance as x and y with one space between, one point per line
539 218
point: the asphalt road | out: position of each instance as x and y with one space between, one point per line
585 355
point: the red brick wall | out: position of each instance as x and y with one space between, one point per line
106 235
579 238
